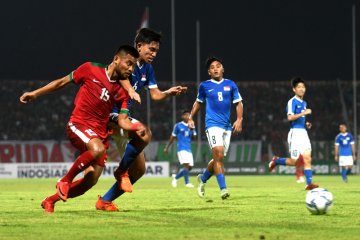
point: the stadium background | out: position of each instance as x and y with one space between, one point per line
262 44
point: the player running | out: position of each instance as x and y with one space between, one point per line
219 94
130 144
345 152
100 89
183 134
298 139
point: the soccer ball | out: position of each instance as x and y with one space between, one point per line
319 201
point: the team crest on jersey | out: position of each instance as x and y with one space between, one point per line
143 77
227 88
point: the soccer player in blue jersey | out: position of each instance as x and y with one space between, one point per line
219 94
345 152
184 134
131 144
298 139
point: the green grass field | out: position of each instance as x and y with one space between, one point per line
260 207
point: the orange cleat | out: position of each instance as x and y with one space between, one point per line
63 190
48 206
272 163
123 179
106 205
311 186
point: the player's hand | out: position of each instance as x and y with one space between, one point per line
308 125
166 151
191 124
237 126
307 111
336 158
175 91
27 97
134 95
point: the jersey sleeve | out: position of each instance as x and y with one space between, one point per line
122 103
151 78
290 107
78 75
201 93
175 131
235 93
337 140
351 139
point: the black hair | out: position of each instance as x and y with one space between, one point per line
127 49
147 35
185 111
210 60
296 80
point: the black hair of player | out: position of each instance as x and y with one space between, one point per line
127 49
185 111
296 80
210 60
147 35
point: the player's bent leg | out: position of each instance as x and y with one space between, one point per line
91 177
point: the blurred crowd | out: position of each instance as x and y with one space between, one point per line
264 110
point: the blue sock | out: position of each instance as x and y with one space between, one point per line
206 176
308 176
186 175
114 192
280 161
221 181
344 173
131 152
180 173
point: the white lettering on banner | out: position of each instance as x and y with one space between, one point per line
58 170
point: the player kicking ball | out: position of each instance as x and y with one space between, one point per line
298 139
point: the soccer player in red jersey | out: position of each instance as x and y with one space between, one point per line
100 90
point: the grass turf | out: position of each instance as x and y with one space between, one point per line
260 207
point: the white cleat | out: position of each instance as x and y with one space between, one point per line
174 181
189 185
201 186
300 180
224 193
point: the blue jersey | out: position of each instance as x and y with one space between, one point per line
183 134
218 96
295 106
142 76
344 141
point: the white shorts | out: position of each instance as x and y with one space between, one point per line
185 157
346 161
298 141
218 137
121 138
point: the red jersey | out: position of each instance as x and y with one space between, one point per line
97 95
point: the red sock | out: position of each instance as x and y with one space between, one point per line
80 164
300 167
80 187
54 198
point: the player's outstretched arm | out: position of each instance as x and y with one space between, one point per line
131 91
125 123
49 88
158 95
237 126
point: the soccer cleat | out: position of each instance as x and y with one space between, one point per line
48 206
201 186
300 179
272 163
106 206
224 193
62 190
311 186
189 185
123 179
174 181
